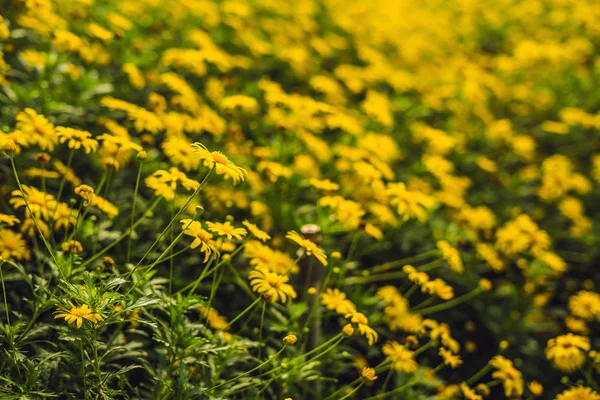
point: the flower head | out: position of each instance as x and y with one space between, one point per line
219 161
86 193
12 246
578 393
308 245
271 284
256 232
368 374
78 314
202 238
76 139
226 229
567 352
401 358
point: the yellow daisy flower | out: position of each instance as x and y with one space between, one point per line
271 284
9 220
226 229
256 232
218 160
12 246
77 314
308 245
76 139
202 238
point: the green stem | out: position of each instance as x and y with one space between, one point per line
352 391
171 234
402 262
449 304
64 178
4 294
240 280
135 193
167 250
14 168
247 372
486 368
260 331
387 379
123 236
195 284
181 210
213 291
353 245
240 315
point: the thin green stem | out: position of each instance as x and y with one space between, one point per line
352 391
260 330
402 262
479 374
195 284
14 168
240 315
247 372
4 294
213 291
124 235
449 304
353 245
171 234
135 193
64 178
181 210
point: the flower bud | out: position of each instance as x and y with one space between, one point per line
290 340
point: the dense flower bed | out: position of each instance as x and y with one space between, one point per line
308 199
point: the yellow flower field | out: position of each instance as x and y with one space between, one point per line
308 199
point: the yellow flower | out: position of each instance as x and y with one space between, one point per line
415 276
324 184
219 161
368 374
333 299
34 58
585 305
451 255
438 288
226 229
511 378
308 245
77 139
201 237
9 220
256 232
535 388
72 246
63 216
409 204
12 246
578 393
77 314
165 183
271 285
178 149
567 352
86 193
362 324
290 340
450 359
215 320
469 393
401 358
38 130
39 202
